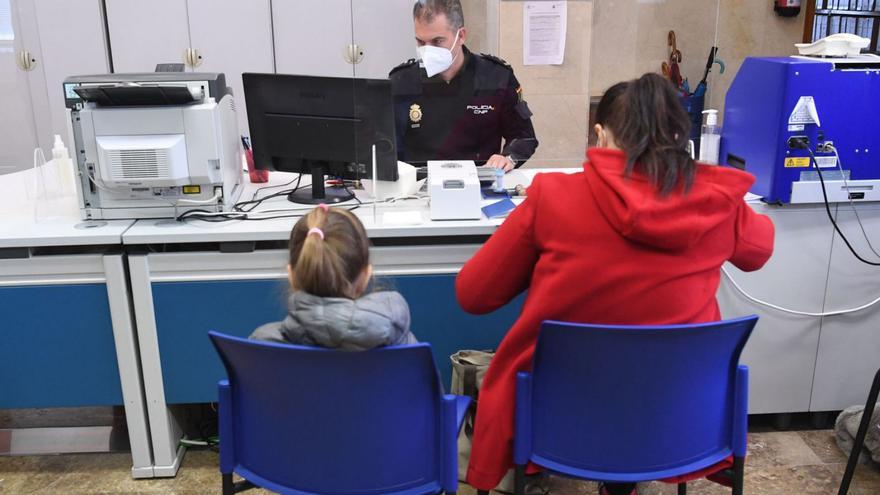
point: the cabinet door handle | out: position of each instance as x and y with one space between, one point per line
25 61
354 54
196 57
192 58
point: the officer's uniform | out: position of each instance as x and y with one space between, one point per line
464 119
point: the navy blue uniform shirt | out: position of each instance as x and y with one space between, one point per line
463 119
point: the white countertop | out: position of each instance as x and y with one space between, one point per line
31 219
384 221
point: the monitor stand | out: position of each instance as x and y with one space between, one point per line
317 193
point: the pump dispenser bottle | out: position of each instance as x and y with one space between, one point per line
710 138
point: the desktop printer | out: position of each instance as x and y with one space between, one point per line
154 145
454 188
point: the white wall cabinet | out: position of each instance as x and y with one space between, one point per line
342 38
143 34
384 35
18 136
228 36
312 37
72 42
52 40
60 38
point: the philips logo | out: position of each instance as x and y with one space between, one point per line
481 109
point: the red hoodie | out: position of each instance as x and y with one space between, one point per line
598 247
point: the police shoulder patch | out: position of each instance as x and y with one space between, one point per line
408 63
493 58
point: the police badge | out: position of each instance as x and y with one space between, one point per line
415 113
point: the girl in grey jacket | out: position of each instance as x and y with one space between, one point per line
329 272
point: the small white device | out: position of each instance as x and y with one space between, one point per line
406 184
454 187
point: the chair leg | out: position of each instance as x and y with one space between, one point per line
739 466
682 488
519 480
860 436
228 486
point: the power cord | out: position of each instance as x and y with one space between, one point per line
297 180
794 311
804 145
852 205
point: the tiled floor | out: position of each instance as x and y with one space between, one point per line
783 463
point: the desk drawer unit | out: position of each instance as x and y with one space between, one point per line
67 339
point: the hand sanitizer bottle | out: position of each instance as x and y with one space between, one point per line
710 138
64 165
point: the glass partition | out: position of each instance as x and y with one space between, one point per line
605 41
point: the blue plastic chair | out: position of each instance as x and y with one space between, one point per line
305 420
634 403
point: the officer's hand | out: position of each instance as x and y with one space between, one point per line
499 161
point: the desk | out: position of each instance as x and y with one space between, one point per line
189 278
67 328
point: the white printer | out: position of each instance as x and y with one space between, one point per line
154 145
454 188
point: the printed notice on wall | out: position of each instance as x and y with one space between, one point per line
544 32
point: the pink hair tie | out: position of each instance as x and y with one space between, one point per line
316 230
324 207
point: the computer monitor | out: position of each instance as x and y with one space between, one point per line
321 126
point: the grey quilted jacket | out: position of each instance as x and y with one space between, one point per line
374 320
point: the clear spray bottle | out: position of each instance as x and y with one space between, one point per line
710 138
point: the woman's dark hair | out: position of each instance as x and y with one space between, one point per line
649 123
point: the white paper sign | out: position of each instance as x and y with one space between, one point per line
544 32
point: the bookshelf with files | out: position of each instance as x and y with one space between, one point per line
827 17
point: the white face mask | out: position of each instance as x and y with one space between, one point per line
436 59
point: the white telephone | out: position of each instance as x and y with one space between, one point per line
836 45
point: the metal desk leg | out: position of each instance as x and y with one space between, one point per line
860 436
129 367
164 430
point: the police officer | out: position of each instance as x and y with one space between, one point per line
452 104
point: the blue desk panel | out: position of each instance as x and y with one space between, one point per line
185 311
57 347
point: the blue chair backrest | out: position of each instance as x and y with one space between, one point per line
328 421
659 401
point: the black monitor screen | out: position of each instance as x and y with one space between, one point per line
298 123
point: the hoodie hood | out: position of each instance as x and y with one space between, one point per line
374 320
677 221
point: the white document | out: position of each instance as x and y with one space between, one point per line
544 32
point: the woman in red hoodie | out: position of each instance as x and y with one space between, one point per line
637 238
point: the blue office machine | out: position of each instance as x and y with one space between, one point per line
776 103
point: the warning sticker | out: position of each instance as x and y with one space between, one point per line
801 162
804 112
